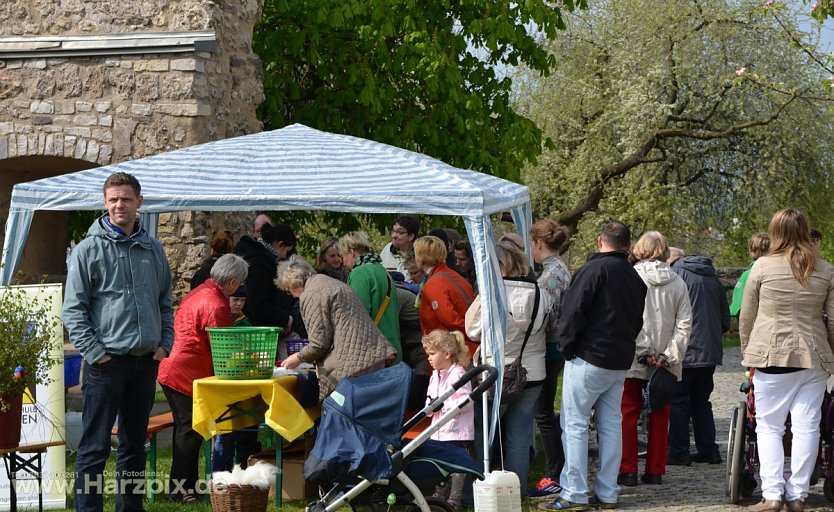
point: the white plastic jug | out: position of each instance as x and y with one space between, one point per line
500 491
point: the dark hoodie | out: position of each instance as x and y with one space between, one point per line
710 311
266 305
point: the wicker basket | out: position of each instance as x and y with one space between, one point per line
295 346
240 353
238 498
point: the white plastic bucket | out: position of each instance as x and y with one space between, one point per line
500 491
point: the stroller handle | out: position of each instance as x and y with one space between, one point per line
492 376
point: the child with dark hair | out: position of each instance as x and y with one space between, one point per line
235 447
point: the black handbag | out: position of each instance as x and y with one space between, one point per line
515 375
660 390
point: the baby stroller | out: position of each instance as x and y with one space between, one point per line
360 458
743 453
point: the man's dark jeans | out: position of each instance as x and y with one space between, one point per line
547 420
125 385
692 401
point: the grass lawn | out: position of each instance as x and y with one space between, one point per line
163 504
164 465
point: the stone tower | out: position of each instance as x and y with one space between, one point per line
85 83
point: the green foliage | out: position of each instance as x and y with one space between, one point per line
27 331
425 76
697 119
311 228
79 222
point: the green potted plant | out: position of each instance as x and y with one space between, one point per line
30 334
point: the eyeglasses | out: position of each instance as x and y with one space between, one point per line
399 232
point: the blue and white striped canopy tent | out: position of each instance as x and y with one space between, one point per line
296 168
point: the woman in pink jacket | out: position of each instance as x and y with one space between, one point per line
205 306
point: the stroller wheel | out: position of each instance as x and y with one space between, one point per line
435 505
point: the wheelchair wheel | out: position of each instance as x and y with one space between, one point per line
736 447
747 485
828 489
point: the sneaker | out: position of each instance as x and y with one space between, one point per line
599 504
546 488
560 504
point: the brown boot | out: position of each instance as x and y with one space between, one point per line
795 506
766 506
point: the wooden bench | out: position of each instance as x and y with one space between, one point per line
157 424
30 463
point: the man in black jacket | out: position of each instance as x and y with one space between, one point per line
710 319
602 314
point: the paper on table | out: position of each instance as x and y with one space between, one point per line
303 367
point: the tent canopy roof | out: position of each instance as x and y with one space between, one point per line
293 168
298 168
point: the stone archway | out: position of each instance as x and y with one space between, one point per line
44 254
84 84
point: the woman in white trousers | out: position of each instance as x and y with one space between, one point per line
787 342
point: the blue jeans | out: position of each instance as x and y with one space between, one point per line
125 385
516 435
586 387
234 448
692 401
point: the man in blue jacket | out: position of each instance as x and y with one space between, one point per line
602 314
118 312
710 320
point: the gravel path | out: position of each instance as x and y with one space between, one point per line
701 486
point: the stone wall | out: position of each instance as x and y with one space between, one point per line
99 110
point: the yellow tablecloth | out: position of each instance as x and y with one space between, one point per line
213 398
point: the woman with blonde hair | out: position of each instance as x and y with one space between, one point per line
789 348
375 288
661 343
446 295
527 308
329 261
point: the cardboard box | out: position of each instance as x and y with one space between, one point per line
295 487
294 455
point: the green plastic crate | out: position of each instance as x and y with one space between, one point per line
241 353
